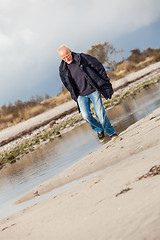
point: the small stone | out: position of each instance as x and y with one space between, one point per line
51 124
36 193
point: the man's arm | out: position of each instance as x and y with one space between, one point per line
96 65
68 88
63 81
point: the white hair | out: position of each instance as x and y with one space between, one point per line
63 46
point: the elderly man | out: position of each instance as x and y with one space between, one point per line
86 79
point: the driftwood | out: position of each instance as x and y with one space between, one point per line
155 170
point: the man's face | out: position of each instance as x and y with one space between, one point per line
66 55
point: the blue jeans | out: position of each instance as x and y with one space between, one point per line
84 105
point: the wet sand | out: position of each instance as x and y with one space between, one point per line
114 204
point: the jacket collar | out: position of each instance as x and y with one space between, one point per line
64 65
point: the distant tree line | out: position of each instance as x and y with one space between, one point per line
138 56
19 105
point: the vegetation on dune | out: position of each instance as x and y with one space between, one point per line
135 62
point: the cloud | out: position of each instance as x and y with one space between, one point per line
31 31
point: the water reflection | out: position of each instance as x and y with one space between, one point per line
47 162
54 157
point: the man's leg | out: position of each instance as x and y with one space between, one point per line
100 113
84 105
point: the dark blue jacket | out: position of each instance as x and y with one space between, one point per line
94 73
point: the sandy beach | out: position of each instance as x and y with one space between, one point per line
121 202
108 201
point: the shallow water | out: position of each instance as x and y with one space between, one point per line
54 157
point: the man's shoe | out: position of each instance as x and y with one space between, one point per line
101 136
114 136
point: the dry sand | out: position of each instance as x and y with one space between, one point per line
90 209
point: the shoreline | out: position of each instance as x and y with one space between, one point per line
10 154
118 203
72 173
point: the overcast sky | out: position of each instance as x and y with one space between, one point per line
32 30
